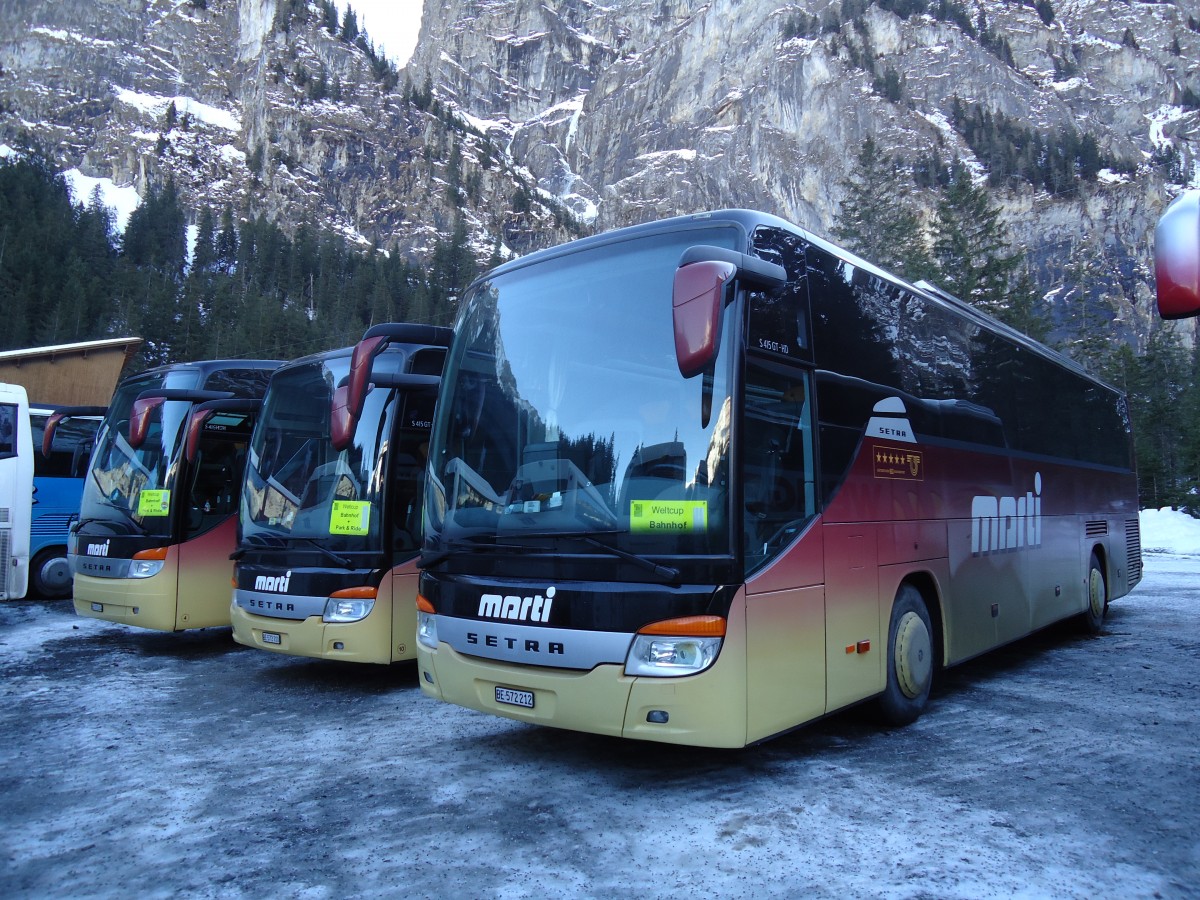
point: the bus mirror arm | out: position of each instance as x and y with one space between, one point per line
1177 258
341 422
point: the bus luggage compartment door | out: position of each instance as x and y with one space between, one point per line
853 646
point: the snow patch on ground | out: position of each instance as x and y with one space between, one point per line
121 199
1170 531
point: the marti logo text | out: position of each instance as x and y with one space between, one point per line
1007 523
517 609
277 584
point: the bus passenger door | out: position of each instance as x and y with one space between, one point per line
785 634
210 532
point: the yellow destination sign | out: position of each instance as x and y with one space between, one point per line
668 516
154 503
350 517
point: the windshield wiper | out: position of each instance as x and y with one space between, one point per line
468 545
275 544
344 562
670 573
115 524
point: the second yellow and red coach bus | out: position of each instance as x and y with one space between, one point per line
157 523
331 509
704 480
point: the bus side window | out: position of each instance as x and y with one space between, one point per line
8 430
779 474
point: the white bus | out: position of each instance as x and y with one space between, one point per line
16 491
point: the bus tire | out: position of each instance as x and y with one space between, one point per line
909 659
50 574
1092 618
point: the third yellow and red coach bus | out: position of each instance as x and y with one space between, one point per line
707 479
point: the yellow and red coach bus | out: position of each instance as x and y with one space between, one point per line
158 523
704 480
331 509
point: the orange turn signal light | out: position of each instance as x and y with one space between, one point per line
152 553
688 626
425 606
356 593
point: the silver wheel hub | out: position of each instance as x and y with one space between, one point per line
1096 593
914 655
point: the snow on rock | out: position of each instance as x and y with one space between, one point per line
156 105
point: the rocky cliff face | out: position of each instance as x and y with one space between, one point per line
637 110
544 121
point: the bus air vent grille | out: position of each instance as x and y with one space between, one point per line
1133 549
5 559
52 524
4 515
1096 529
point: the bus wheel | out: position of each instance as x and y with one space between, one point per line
1097 597
50 574
909 659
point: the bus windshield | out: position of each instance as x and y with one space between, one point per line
563 413
297 485
131 490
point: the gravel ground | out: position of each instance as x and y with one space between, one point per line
155 765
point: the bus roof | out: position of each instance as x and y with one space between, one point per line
749 219
207 366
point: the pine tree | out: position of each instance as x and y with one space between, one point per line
877 218
227 243
1025 310
350 26
971 247
204 253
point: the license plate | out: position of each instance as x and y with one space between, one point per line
97 607
514 698
270 637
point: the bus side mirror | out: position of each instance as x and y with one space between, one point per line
1177 258
195 429
697 300
139 419
341 423
48 433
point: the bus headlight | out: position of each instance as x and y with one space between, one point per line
426 624
341 609
427 630
147 562
350 604
661 656
144 568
